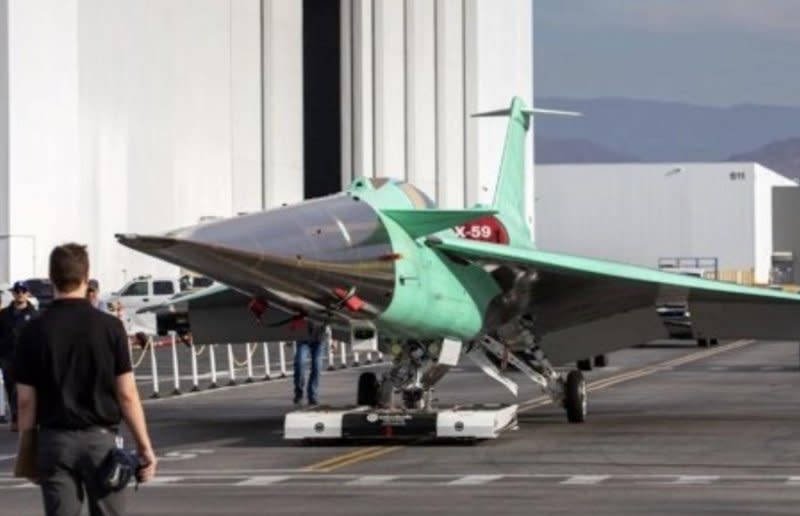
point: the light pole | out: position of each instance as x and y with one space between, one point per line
32 238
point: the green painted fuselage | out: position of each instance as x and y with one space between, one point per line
434 296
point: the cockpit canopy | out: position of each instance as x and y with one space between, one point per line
418 198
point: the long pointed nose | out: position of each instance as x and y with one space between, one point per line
310 249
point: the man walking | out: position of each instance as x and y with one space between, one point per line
75 382
314 345
12 318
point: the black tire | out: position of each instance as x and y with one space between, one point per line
584 365
575 397
412 399
714 342
601 361
368 389
703 343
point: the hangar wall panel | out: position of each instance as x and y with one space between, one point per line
283 101
498 66
357 90
434 64
171 133
46 195
449 80
4 157
389 60
245 98
146 143
420 78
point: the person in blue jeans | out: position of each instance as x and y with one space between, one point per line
314 346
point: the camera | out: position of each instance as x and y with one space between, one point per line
118 468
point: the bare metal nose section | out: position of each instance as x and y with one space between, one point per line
312 249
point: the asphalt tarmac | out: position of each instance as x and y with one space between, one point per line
672 429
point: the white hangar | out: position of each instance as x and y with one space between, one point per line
142 117
717 217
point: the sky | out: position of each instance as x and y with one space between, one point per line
707 52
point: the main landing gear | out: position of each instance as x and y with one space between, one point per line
575 397
567 390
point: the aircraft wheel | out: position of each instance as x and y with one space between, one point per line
703 343
601 361
575 397
584 365
713 342
413 399
368 389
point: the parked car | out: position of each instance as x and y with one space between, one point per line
42 290
147 291
143 291
677 320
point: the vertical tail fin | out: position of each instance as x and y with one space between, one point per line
509 194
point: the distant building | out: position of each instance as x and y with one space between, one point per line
786 235
711 216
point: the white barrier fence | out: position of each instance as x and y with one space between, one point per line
233 367
334 361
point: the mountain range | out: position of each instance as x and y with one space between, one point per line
782 156
624 130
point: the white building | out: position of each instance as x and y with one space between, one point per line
135 116
641 213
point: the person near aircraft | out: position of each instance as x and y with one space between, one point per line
75 386
12 319
311 346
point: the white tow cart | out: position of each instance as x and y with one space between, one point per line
464 422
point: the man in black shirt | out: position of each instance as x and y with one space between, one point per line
75 381
12 319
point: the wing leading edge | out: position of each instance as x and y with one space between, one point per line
585 307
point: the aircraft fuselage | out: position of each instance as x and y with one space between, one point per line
339 255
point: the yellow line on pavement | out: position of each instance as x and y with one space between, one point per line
323 465
639 373
645 371
373 452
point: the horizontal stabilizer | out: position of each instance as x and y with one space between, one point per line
419 223
527 111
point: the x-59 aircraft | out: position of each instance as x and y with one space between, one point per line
380 257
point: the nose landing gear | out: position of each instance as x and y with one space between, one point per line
368 389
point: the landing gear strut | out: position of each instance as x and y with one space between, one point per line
568 390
